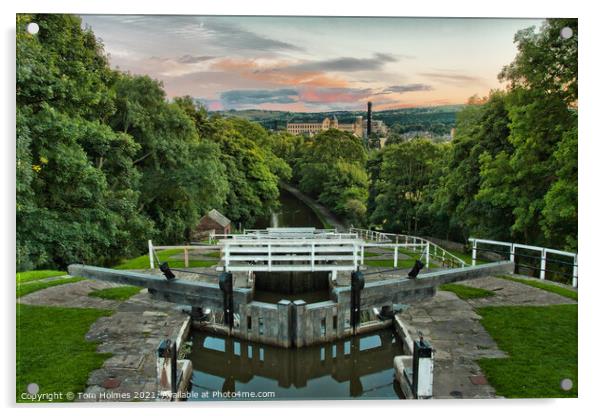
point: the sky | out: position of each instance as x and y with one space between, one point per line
312 63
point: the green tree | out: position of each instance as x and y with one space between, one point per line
331 168
182 176
538 179
405 176
76 197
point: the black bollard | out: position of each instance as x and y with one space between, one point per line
418 265
357 284
226 285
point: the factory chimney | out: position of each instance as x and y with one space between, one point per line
369 123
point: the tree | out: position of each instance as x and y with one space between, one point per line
182 176
251 169
405 175
541 100
75 201
482 129
331 168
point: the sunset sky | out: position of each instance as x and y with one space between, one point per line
312 64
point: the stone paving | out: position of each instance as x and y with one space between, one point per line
131 334
458 338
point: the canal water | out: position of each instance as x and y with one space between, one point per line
355 368
292 213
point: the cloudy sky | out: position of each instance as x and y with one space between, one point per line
312 64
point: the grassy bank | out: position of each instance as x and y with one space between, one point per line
27 288
52 351
541 342
549 287
116 293
33 275
142 262
467 292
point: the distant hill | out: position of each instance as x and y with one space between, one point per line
437 120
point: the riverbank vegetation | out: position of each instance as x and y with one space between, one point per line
105 161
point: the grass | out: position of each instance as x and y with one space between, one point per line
32 275
541 342
467 292
142 262
549 287
467 257
116 293
370 254
27 288
52 350
401 264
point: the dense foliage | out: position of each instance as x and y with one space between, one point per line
511 171
105 161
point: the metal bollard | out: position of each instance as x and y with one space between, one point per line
422 369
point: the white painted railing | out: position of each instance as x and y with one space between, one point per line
436 252
271 255
152 250
282 233
543 251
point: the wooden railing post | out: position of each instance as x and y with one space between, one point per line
186 257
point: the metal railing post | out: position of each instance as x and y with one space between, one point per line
186 257
174 369
395 257
512 252
575 270
150 254
428 255
474 252
362 255
542 271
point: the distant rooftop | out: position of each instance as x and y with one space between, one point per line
218 217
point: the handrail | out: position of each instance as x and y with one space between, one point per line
436 252
542 256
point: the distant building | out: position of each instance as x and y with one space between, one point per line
212 221
358 128
355 128
378 127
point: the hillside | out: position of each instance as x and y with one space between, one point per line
437 120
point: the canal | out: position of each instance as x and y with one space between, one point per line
292 213
359 367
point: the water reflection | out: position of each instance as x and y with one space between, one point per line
292 213
358 367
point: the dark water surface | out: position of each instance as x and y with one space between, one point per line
292 213
355 368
